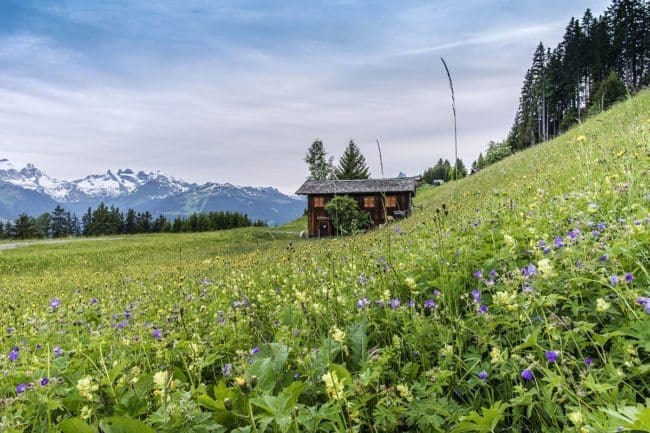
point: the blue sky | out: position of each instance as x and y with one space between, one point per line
235 91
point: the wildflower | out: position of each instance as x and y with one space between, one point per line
573 233
404 392
482 375
394 303
527 375
333 385
22 387
576 418
482 309
478 274
86 386
13 355
601 226
157 333
45 381
493 274
255 350
55 303
410 282
227 370
429 304
559 242
58 351
528 271
411 303
398 230
337 335
10 330
602 305
94 300
495 356
613 280
362 303
588 361
362 279
476 295
629 277
552 355
436 292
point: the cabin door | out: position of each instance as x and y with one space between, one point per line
324 228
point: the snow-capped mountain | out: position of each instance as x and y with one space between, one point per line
125 188
31 178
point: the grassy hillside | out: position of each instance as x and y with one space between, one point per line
516 298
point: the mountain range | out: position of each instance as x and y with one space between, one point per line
31 191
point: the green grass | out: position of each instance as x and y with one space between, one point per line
340 348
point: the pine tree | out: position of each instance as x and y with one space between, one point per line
59 223
25 227
352 164
320 168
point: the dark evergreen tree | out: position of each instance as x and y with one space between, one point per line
43 224
59 225
25 227
352 164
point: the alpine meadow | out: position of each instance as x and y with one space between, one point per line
516 299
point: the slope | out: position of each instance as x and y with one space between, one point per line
514 299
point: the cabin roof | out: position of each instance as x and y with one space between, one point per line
402 184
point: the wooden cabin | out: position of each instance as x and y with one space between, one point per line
395 196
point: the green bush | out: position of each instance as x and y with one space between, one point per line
346 216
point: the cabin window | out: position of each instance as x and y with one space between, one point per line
391 201
319 201
369 201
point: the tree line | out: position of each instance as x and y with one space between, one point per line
106 220
599 61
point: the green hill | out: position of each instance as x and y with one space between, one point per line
517 299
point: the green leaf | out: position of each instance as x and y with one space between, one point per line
123 424
485 423
74 425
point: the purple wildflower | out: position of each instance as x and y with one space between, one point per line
394 303
362 303
255 350
478 274
552 355
362 279
629 277
483 309
411 303
45 381
541 243
94 300
10 330
559 242
601 226
398 230
528 271
528 289
157 333
493 274
436 292
22 387
588 361
573 233
613 280
603 258
296 376
547 250
482 375
527 375
429 304
13 355
476 295
227 370
58 351
123 324
296 332
54 303
595 233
